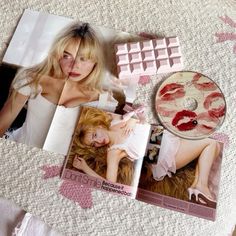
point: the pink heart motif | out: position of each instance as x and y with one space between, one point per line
73 191
144 79
225 36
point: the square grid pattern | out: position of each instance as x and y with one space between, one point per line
149 57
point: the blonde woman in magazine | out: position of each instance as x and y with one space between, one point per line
70 75
119 138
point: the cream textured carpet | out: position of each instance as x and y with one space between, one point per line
196 24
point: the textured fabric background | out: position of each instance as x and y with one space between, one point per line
195 22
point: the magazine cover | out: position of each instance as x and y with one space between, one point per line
181 174
53 65
107 151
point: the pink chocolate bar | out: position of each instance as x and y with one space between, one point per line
149 57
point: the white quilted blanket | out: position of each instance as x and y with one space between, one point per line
200 26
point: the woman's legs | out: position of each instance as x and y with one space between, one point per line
196 176
207 150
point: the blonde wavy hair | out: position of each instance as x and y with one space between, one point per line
89 46
96 158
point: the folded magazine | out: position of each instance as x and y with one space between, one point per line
52 66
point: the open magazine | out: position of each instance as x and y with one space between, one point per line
60 92
145 162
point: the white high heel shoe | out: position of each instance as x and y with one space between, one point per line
190 193
201 198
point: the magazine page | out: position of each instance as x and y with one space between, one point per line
181 174
107 151
53 65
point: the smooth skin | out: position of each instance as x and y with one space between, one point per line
206 150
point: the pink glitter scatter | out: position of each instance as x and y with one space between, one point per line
143 80
77 192
222 138
73 191
51 171
225 36
227 20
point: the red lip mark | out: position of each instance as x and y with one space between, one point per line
74 74
162 110
191 124
172 91
203 128
207 86
206 117
217 112
206 127
214 112
194 121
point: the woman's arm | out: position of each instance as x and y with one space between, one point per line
80 164
10 110
113 160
